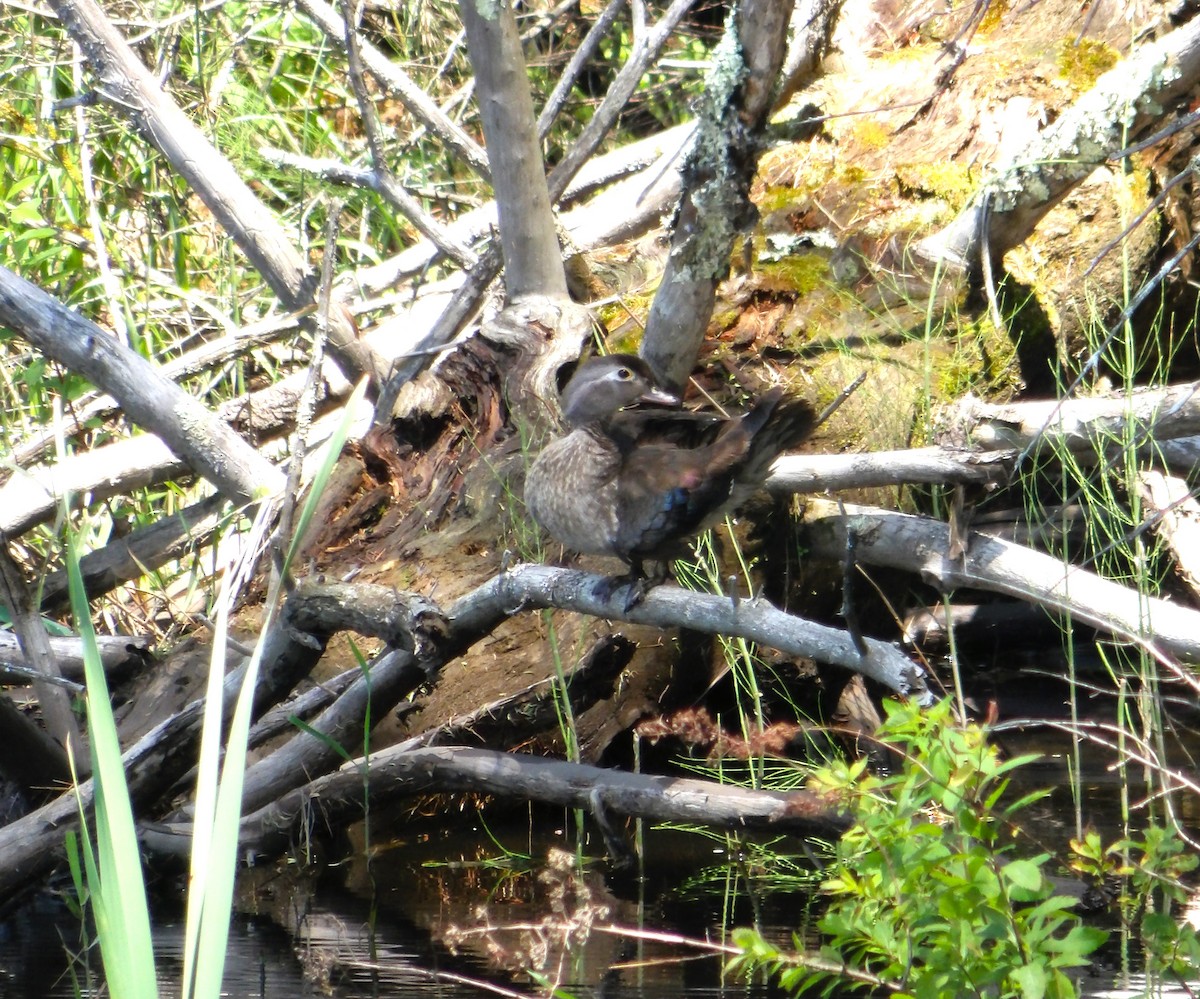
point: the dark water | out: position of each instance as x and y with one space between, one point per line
415 924
451 900
42 957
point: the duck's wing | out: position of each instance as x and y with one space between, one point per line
666 492
640 426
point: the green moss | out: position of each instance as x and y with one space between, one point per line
994 16
779 198
950 181
801 273
723 319
848 173
625 321
1081 63
870 134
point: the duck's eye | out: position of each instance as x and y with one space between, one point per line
624 374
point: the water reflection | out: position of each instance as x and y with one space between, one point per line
453 899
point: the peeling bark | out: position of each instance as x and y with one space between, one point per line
1122 105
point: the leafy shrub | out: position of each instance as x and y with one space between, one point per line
925 895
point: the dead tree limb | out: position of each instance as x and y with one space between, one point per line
32 845
117 652
534 586
209 354
532 257
1145 415
128 87
429 639
1176 516
1122 104
808 473
55 702
715 208
393 676
155 403
34 496
400 85
392 774
141 551
921 545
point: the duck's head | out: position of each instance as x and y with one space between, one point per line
602 386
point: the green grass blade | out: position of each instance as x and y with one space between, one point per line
219 786
114 874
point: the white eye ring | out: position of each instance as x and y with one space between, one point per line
624 374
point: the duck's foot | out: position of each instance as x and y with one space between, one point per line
637 583
636 587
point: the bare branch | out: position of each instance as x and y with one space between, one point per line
1087 424
128 87
156 403
532 257
922 545
1176 515
720 167
394 773
531 586
55 702
400 85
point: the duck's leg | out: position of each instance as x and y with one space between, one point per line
642 582
635 582
639 584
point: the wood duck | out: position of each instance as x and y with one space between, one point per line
636 480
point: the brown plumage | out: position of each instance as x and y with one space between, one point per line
639 482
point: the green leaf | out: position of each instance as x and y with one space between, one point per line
1026 874
1031 980
25 213
1076 945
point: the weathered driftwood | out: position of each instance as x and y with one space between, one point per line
430 637
208 354
155 403
646 172
142 550
337 799
34 496
117 652
1176 517
54 700
133 93
1122 104
922 545
32 845
1146 415
279 720
810 473
647 46
718 171
383 179
393 676
534 586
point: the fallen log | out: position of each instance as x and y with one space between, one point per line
337 800
922 545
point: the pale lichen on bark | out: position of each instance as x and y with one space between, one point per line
1085 136
489 10
719 132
